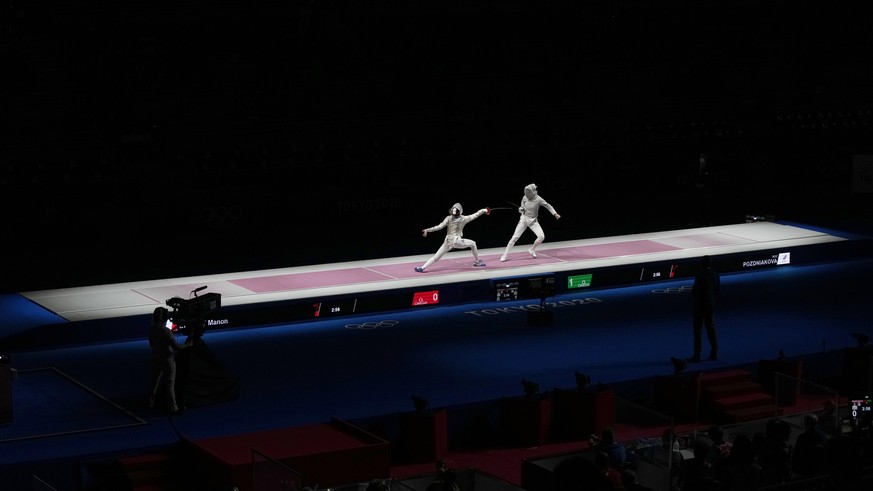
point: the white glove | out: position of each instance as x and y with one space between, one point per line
521 209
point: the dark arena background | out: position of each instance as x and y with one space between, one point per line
271 165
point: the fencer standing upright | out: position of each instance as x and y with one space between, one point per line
455 223
530 209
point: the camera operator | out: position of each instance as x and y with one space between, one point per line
163 358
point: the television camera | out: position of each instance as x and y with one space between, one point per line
188 314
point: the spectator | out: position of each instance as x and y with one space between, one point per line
607 443
695 473
611 473
718 447
809 457
774 456
739 471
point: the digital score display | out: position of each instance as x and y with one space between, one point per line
657 273
523 287
425 298
862 412
334 308
579 281
507 291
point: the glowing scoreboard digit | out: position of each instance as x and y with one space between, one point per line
425 298
579 281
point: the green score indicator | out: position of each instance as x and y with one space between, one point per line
579 281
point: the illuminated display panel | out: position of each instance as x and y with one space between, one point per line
334 308
523 287
862 412
579 281
426 298
507 291
659 272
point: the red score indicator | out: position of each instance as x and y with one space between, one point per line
425 298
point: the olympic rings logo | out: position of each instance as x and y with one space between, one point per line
372 325
674 291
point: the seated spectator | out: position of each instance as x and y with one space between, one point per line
718 447
614 449
695 472
774 456
739 472
809 457
612 474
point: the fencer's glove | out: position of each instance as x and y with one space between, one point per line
424 233
521 209
487 211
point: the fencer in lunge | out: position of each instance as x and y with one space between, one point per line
529 209
454 223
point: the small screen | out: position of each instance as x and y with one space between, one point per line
861 412
333 308
579 281
507 291
657 273
426 298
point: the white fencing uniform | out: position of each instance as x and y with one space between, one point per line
454 223
529 209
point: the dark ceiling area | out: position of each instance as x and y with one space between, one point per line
193 137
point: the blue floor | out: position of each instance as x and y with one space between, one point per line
361 367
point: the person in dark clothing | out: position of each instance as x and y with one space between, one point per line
614 449
163 358
705 290
810 455
774 454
